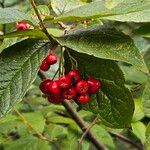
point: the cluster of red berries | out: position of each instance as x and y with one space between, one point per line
22 25
51 59
70 86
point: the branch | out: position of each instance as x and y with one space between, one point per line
80 122
85 133
66 27
41 22
125 139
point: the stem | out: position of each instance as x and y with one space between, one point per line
55 73
72 60
60 62
125 139
41 22
29 125
85 133
82 125
80 122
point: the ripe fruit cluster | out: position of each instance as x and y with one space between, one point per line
51 59
70 87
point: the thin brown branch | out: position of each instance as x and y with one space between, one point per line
41 22
66 27
85 133
127 140
80 122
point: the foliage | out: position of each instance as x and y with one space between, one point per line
105 39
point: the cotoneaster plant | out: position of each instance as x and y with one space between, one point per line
94 54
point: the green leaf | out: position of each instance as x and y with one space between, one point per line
100 68
114 103
62 6
19 65
9 15
132 75
103 136
128 10
27 143
139 130
62 120
112 3
94 41
146 99
147 142
31 33
7 42
36 120
135 16
56 131
138 112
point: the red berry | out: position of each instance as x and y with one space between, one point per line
83 98
64 82
69 93
44 65
22 26
82 87
53 88
54 99
74 75
51 58
94 85
53 48
44 86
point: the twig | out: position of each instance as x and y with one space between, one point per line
60 61
56 73
29 125
41 23
85 133
80 122
66 27
125 139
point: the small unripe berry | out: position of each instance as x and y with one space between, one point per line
51 58
82 87
74 75
44 65
54 89
44 86
69 93
22 26
64 82
83 98
54 99
94 85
